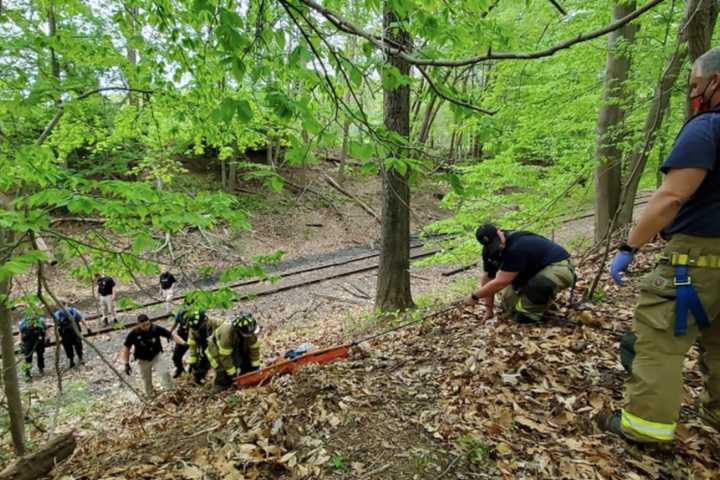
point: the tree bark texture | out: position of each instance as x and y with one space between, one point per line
393 281
40 463
608 153
9 373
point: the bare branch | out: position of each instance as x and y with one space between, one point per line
348 27
558 7
450 99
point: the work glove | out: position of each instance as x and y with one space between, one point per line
620 263
128 370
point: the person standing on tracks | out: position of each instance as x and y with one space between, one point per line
69 322
526 269
233 348
167 290
144 339
33 336
106 292
686 211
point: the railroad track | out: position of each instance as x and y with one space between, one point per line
417 251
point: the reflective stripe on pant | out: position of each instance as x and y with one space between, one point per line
654 391
146 369
529 300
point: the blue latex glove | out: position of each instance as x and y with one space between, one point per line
620 264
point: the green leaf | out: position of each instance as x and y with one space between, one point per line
244 111
361 151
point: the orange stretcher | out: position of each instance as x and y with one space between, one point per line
282 366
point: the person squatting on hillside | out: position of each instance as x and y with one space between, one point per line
680 300
69 322
144 339
33 336
233 348
526 269
167 290
106 292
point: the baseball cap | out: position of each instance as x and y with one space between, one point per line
487 235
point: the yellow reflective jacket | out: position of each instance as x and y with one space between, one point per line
226 339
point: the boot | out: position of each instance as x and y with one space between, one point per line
72 363
709 417
609 423
222 381
178 371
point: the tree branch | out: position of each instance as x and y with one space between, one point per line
450 99
558 7
348 27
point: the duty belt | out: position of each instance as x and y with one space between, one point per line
688 299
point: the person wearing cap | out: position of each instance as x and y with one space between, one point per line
233 349
528 271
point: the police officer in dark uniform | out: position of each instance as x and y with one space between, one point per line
33 337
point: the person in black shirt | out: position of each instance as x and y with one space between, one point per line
69 321
527 269
33 337
167 281
145 342
185 319
106 292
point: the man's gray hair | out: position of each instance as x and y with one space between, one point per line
708 63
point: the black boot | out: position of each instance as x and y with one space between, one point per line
222 381
178 371
72 363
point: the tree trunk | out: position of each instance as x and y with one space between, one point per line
608 175
393 281
703 16
40 463
654 120
427 120
344 150
132 56
9 373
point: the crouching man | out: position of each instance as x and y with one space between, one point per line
526 269
233 349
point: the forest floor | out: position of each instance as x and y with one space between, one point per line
450 398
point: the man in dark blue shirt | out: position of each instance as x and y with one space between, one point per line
528 270
680 300
69 321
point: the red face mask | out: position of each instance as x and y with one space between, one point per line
698 102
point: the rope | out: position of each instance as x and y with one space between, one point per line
430 315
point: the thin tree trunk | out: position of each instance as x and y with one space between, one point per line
427 120
132 56
393 281
232 176
9 373
653 124
608 175
344 150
